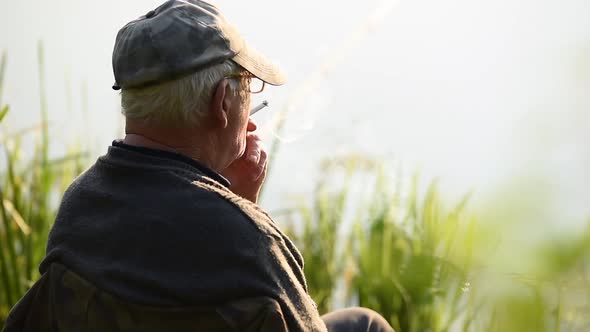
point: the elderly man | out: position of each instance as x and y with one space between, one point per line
163 232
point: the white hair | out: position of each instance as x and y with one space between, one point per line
180 101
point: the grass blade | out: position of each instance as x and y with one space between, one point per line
10 263
3 112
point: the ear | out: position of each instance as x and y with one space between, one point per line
221 103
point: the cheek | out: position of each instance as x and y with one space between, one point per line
241 129
240 147
241 141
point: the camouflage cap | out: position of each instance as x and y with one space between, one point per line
179 38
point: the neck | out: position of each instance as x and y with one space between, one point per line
198 147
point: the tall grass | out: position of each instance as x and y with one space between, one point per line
316 228
29 186
424 264
398 256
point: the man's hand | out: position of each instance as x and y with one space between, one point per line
247 173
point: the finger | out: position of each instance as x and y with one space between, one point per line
254 138
263 157
253 155
261 167
253 149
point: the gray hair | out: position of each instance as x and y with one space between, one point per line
181 101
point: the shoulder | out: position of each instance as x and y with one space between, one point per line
256 217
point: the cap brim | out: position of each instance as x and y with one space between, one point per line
260 66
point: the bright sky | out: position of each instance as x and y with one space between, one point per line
476 92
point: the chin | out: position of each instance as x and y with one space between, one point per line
241 154
241 150
238 155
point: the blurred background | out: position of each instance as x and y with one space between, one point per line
471 91
450 99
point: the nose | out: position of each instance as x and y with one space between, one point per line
251 125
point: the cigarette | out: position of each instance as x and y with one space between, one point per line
259 107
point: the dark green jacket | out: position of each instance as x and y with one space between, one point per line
158 229
63 301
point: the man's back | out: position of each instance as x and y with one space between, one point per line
137 226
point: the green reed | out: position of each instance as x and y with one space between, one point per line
29 183
425 264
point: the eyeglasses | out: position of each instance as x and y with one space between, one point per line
255 85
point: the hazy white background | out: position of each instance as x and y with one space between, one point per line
479 93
